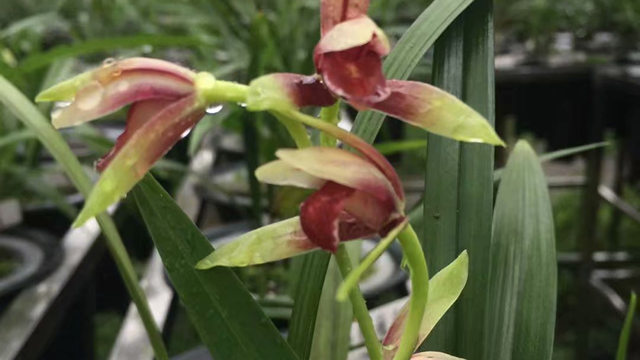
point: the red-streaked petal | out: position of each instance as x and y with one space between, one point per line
352 34
138 115
269 243
333 12
280 173
351 228
141 151
444 289
437 111
345 168
111 70
286 90
354 74
320 214
96 99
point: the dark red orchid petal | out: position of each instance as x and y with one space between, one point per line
350 228
320 214
307 90
138 115
333 12
354 74
369 209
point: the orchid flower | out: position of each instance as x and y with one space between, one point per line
165 105
348 60
365 201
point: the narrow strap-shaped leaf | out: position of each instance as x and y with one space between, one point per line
407 53
623 342
522 287
441 182
475 186
24 110
229 321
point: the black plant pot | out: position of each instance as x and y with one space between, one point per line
35 254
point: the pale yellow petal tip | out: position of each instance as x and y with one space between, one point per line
205 264
82 218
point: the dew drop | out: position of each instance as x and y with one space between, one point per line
185 134
243 105
214 109
108 62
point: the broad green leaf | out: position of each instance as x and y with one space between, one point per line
229 321
40 60
623 342
441 198
444 289
522 288
269 243
407 53
24 110
475 184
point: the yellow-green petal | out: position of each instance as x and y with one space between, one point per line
269 243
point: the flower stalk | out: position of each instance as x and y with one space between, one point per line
419 293
374 348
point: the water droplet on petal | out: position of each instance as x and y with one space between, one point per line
108 62
214 109
243 105
185 134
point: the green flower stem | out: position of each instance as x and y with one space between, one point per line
419 293
331 115
297 132
360 308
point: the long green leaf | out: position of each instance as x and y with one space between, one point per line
623 342
407 53
24 110
522 288
441 182
229 321
37 61
475 187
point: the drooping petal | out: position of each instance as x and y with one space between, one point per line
141 151
364 148
280 173
96 99
320 214
333 12
138 115
437 111
444 289
269 243
285 90
345 168
433 355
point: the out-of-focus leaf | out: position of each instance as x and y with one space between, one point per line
40 60
623 342
521 305
229 321
432 355
393 147
17 136
33 181
554 155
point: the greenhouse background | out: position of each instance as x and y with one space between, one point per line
566 81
